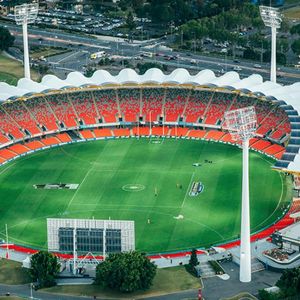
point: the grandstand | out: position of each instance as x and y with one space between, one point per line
38 116
126 107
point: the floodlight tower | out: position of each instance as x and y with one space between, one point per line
241 123
271 18
26 14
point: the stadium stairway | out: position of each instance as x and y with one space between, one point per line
256 265
74 135
206 269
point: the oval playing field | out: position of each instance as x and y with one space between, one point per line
144 180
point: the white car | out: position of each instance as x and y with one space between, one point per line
237 68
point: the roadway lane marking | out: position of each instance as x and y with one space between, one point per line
67 57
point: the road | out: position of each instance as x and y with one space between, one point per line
82 46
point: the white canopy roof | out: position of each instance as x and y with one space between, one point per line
253 83
290 94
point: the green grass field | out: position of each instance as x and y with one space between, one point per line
104 168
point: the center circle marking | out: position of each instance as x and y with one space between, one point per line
133 187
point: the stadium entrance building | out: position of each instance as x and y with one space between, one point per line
89 235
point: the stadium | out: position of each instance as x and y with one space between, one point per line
150 148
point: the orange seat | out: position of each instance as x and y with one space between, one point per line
179 131
197 133
141 130
87 134
33 145
160 130
273 149
260 145
214 135
3 139
64 137
5 153
121 132
19 148
279 155
105 132
50 141
227 138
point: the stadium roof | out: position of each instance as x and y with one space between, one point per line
285 96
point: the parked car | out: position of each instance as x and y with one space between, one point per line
257 66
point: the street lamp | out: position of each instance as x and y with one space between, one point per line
241 124
271 18
26 14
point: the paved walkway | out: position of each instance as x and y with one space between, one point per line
214 288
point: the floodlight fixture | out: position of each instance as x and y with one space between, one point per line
241 124
271 18
26 14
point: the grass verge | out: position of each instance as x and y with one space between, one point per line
11 272
12 70
10 298
292 13
47 52
168 280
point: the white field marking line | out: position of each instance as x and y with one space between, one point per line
280 199
126 205
276 208
106 209
83 180
187 190
4 170
22 158
109 209
64 58
144 171
80 211
117 169
78 158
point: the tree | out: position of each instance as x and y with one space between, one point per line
264 295
251 54
295 29
6 39
130 21
194 259
289 282
280 57
193 262
42 69
13 3
89 71
44 269
149 65
126 272
296 47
